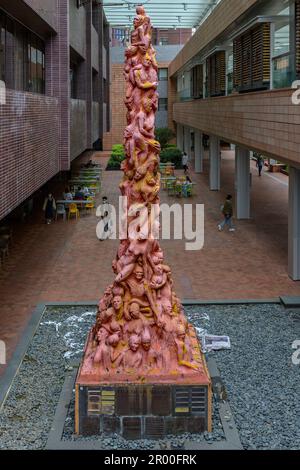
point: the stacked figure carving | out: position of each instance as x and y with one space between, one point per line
141 327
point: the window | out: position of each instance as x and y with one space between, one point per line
163 74
283 73
252 55
197 81
163 104
20 75
229 74
216 74
163 41
73 80
2 47
96 86
22 57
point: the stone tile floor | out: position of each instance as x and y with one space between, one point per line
66 262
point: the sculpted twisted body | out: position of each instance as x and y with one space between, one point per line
141 327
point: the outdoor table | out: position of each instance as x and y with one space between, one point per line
73 201
165 179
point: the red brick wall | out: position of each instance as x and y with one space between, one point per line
118 109
29 146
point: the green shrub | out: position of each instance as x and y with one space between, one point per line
116 158
173 155
169 146
163 135
117 148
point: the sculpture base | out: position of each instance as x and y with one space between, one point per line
148 407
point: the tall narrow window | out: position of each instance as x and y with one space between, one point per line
163 74
2 47
9 54
19 58
163 104
22 57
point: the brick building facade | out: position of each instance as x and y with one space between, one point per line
54 65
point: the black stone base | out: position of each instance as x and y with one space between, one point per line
143 411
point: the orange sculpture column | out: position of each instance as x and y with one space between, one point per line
143 374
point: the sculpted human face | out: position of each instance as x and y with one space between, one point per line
139 274
134 343
137 21
134 311
117 302
114 340
168 308
146 344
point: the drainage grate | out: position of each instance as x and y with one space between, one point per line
154 428
132 428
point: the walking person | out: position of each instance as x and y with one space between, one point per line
107 227
260 164
227 212
49 208
184 162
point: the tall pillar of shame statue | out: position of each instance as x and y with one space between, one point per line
141 335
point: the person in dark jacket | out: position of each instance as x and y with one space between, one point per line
260 164
227 212
49 208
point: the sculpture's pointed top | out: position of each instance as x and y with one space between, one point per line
140 10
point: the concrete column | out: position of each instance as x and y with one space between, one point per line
215 163
179 136
199 151
294 224
187 141
242 171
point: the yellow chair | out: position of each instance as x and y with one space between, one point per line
91 204
73 210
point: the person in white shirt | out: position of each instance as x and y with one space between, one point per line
184 161
68 196
86 191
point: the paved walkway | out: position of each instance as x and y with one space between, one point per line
66 262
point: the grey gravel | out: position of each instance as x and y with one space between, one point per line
262 383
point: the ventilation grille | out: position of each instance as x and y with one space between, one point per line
154 428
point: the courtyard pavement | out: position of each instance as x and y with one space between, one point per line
65 261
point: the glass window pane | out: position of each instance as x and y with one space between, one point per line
19 58
9 54
163 74
163 104
33 68
2 47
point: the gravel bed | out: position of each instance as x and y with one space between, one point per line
262 383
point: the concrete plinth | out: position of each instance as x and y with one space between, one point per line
144 404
